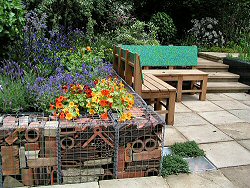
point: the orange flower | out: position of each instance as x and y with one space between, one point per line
62 115
60 99
52 107
104 103
59 105
69 116
105 92
92 112
88 49
104 116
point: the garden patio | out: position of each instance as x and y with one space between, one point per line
111 93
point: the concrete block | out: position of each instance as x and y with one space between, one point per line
144 182
201 106
220 117
203 133
242 114
231 105
237 131
186 119
213 179
226 154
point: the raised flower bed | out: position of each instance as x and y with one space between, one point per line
37 150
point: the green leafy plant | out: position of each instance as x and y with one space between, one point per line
166 28
136 34
174 164
11 18
187 149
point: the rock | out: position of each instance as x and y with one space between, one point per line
10 182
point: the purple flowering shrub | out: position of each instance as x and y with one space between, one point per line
54 59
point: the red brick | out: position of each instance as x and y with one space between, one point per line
121 159
147 155
135 174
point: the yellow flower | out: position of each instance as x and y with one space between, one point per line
88 105
69 116
129 116
92 112
123 117
71 104
121 85
78 111
65 110
95 99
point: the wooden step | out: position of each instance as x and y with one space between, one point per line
211 66
227 87
222 77
216 56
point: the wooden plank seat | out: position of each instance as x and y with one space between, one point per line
150 87
181 75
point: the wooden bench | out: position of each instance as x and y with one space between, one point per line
149 87
173 56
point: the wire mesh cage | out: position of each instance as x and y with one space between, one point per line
38 150
139 142
87 149
28 145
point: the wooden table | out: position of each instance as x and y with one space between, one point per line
181 75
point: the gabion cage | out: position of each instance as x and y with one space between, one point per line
87 149
38 150
28 145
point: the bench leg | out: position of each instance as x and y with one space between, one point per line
158 105
171 108
179 89
203 93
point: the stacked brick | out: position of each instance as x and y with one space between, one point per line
28 151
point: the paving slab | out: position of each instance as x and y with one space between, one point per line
231 105
239 176
246 103
203 133
239 96
79 185
201 106
218 97
213 179
145 182
179 107
186 97
226 154
242 114
245 143
237 131
186 119
172 136
220 117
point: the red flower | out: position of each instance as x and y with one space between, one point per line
96 82
105 92
62 115
59 105
104 103
104 116
52 107
65 89
60 99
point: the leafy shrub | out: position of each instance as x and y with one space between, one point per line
136 34
11 18
174 164
206 32
187 149
166 28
